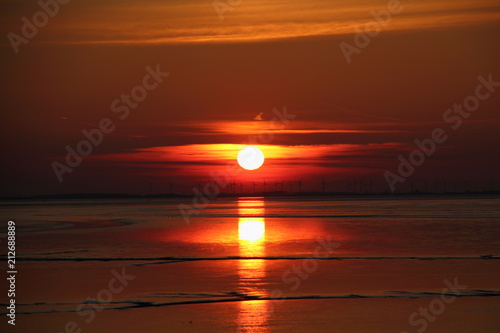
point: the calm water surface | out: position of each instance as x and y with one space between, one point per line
257 265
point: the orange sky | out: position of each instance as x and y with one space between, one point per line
352 120
154 21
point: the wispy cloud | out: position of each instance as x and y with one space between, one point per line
152 21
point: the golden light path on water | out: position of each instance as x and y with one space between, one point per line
253 315
251 230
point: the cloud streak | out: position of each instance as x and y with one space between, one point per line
156 22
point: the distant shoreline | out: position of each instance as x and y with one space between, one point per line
277 194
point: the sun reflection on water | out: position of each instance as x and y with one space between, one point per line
251 230
253 315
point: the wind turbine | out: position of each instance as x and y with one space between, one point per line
300 184
426 185
171 187
362 188
357 186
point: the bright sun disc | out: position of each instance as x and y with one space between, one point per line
250 158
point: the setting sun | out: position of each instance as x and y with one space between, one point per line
250 158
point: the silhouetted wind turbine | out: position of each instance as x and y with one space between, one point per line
171 186
426 185
466 186
358 186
